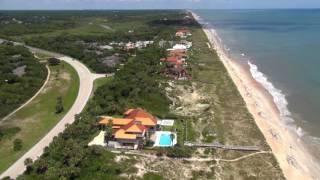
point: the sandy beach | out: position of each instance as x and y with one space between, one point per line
294 160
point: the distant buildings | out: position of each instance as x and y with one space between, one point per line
176 60
183 33
110 61
138 45
103 47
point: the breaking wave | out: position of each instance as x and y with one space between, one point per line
279 98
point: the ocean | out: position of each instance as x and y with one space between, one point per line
281 48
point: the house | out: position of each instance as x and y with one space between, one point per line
129 46
142 116
178 46
164 43
110 61
103 47
180 53
179 73
142 44
188 44
183 33
130 132
174 61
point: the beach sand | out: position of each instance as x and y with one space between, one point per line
294 160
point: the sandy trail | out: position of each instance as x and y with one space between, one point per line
295 161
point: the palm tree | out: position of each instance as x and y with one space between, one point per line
109 131
172 138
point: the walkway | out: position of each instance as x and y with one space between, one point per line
86 86
227 147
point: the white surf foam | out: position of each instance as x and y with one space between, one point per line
279 98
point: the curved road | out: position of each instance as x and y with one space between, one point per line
86 86
31 99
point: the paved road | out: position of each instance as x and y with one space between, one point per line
86 87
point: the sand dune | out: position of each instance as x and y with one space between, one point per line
294 160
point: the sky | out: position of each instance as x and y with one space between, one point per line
156 4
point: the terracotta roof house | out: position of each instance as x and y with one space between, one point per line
130 131
144 117
175 53
175 61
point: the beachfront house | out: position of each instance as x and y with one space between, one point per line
179 47
183 33
131 131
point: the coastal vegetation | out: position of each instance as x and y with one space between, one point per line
207 108
81 33
135 85
21 76
33 121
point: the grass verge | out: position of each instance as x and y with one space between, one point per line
38 117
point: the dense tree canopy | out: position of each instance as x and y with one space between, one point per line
69 157
21 75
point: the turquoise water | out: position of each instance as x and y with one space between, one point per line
283 48
165 140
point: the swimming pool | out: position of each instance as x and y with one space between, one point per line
164 139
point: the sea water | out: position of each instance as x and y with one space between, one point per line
282 49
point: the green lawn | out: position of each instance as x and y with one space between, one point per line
37 118
100 82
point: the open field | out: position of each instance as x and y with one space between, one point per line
38 117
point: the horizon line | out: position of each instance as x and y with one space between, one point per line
137 9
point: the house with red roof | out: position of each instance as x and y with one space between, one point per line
130 132
183 33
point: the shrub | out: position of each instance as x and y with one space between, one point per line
179 152
17 144
8 132
59 105
53 61
28 163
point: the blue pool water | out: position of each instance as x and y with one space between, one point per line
165 140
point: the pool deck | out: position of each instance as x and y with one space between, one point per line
158 135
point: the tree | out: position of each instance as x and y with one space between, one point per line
59 105
109 130
172 138
28 163
17 144
53 61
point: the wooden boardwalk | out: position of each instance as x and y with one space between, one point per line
227 147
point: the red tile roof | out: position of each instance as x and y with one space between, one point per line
183 30
134 127
142 116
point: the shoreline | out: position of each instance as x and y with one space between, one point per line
294 160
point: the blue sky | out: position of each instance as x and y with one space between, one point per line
156 4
